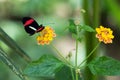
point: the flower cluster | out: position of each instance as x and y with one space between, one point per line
46 36
104 34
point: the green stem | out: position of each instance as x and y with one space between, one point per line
10 42
73 78
76 55
96 13
90 39
61 56
5 59
87 14
89 54
76 75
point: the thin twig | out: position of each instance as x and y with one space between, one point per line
61 56
89 54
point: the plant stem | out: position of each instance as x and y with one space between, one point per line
90 39
5 59
76 54
62 57
10 42
89 54
73 78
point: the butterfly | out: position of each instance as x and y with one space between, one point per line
31 26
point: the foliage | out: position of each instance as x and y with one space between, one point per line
46 66
53 65
105 66
49 66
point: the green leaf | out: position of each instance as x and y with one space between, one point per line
63 74
105 66
46 66
72 27
86 28
76 37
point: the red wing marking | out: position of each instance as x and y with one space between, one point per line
28 22
39 29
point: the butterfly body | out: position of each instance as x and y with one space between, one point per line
31 26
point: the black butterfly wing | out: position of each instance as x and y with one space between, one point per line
30 25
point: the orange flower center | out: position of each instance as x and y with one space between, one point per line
104 34
46 36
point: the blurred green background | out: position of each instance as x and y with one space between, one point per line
56 14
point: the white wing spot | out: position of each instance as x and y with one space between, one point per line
32 28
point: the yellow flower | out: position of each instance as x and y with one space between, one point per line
104 34
46 36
